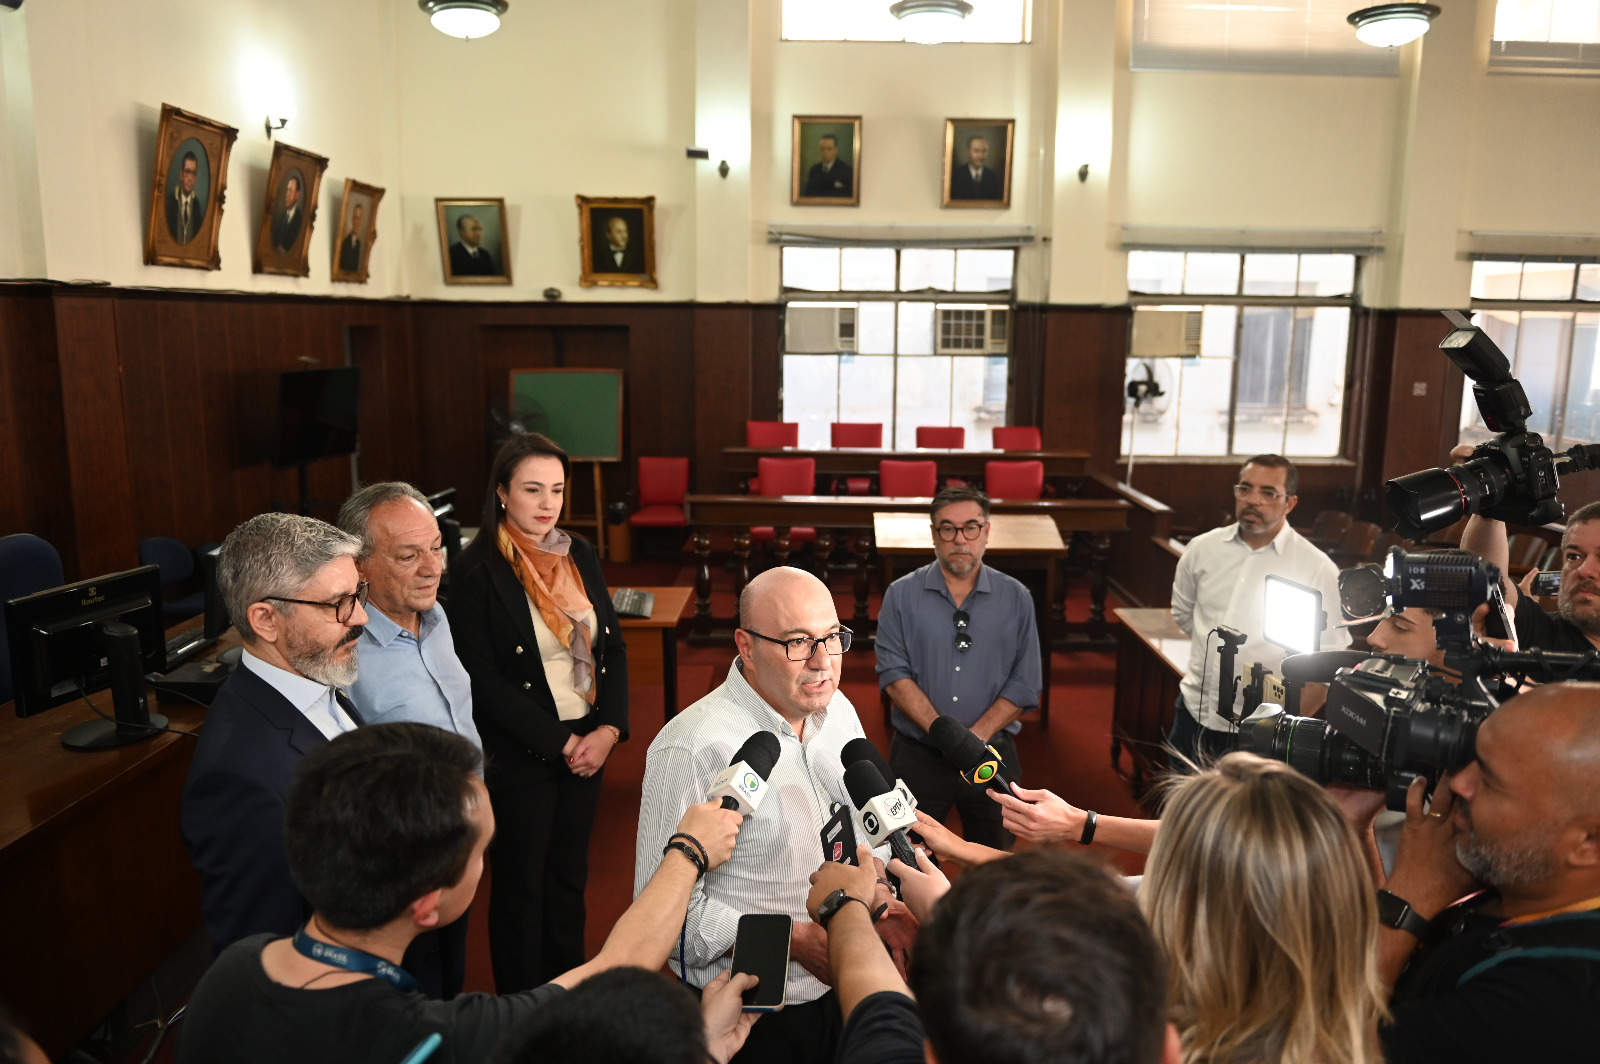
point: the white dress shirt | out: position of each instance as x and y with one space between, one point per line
314 700
1222 581
779 846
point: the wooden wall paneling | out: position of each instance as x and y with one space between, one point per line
1367 406
452 398
723 340
364 342
660 393
1421 427
1027 362
766 363
1081 390
250 396
99 471
33 462
211 445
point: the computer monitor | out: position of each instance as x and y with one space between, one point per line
216 611
85 637
317 415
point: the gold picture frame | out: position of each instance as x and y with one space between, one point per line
474 244
617 241
815 180
186 200
283 242
990 188
352 247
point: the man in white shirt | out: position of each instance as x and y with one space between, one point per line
785 681
1221 580
291 586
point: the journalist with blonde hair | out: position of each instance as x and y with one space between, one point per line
1257 889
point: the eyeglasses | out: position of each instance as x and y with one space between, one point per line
971 530
801 647
1244 491
343 607
963 639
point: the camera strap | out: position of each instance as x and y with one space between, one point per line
1572 936
352 960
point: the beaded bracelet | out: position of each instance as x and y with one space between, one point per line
688 851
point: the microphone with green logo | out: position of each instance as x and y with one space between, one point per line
978 764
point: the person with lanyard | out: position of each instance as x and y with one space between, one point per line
1511 971
536 630
385 831
785 681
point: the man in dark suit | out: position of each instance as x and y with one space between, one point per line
976 179
186 212
830 177
467 259
350 250
618 254
286 224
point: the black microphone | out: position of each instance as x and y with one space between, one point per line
884 814
1321 666
977 763
863 750
743 784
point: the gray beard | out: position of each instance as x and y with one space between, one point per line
1589 626
320 663
1498 867
956 567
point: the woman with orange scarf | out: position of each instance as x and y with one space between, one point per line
536 631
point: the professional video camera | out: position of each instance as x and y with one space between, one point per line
1512 476
1389 719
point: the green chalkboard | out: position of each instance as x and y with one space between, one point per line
581 409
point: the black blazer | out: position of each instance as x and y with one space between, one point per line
988 187
233 807
511 700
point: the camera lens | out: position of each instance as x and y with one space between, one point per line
1312 748
1444 739
1437 498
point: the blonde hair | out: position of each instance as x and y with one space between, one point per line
1258 891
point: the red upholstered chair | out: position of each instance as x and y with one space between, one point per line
908 479
663 482
952 436
772 433
1014 480
854 434
786 476
1018 438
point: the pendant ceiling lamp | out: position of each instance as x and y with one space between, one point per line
1391 25
464 18
931 21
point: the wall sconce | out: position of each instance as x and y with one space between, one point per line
275 124
705 153
1083 173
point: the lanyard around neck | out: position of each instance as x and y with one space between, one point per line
352 960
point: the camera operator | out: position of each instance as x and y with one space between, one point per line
1511 972
1575 626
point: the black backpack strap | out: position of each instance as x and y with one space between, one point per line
1573 936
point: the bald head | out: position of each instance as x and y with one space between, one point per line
781 606
779 583
1564 721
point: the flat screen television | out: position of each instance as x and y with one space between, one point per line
317 415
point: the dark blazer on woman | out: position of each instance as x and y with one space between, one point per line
511 700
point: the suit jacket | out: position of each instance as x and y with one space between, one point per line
286 230
632 259
492 622
987 187
462 264
197 217
350 255
839 182
233 808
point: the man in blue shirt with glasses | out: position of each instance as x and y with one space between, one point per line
957 638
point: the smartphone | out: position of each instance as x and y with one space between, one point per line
762 949
1547 584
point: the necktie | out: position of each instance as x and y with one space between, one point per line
348 706
187 201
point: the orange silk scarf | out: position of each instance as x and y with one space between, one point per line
551 580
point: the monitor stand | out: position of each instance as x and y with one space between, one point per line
134 721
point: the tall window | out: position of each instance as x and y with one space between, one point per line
991 22
1552 340
904 337
1248 350
1549 35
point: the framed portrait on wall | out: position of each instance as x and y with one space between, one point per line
358 228
977 162
473 244
826 166
187 192
617 241
283 243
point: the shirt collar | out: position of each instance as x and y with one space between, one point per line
302 692
384 631
1279 543
933 579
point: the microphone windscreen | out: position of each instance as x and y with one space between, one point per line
760 752
863 750
1320 667
864 782
957 743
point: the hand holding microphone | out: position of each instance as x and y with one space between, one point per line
743 784
714 828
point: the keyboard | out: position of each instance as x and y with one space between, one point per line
631 602
185 645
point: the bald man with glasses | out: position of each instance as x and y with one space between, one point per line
956 638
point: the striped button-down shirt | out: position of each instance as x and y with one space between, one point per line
779 846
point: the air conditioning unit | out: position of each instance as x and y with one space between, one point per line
1165 333
973 330
820 328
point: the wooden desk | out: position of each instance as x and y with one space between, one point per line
93 873
1022 537
1152 655
650 661
863 461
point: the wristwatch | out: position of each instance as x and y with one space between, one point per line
1394 911
833 903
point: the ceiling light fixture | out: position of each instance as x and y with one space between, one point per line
464 18
1391 25
931 21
